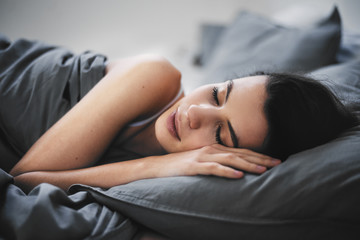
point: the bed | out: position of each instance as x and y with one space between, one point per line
312 195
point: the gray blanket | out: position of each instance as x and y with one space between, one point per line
47 212
38 84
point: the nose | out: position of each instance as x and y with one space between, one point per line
201 115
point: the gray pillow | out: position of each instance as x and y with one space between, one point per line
253 43
209 38
349 47
343 78
313 195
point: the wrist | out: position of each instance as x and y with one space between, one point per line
154 167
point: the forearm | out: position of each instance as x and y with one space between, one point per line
104 176
80 137
210 160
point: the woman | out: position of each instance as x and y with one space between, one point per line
218 129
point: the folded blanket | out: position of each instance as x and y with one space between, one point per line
47 212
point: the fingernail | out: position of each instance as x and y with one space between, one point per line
275 161
239 174
260 168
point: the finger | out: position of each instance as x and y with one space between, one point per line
238 162
213 168
266 162
242 151
232 160
251 156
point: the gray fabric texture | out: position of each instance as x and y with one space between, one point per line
253 43
209 38
47 212
313 195
39 83
343 78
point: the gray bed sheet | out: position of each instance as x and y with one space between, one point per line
47 212
39 83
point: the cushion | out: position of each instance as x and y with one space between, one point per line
343 78
350 46
209 38
313 195
253 43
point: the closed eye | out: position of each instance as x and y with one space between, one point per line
217 136
218 140
215 95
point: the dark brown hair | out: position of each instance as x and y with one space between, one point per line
302 113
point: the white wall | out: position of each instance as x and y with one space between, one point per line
119 28
123 27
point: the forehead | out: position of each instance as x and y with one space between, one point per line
246 110
254 83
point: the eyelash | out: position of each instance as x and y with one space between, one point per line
217 135
215 95
218 130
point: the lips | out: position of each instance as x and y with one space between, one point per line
171 125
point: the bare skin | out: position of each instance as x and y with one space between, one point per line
66 153
237 104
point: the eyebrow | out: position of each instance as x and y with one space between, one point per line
229 88
233 135
231 129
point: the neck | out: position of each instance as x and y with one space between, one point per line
145 142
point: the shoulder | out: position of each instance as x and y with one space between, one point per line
155 62
152 81
150 67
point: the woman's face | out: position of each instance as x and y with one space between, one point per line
230 113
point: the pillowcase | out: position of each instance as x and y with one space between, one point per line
253 43
209 38
350 46
313 195
343 79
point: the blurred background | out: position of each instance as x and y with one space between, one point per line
119 28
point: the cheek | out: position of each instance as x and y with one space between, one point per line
198 139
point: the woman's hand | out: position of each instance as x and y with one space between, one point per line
214 160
